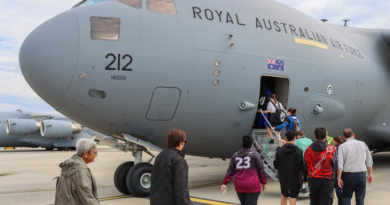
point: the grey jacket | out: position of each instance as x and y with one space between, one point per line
76 185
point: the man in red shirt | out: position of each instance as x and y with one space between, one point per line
247 169
319 161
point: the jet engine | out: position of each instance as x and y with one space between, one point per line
58 128
22 126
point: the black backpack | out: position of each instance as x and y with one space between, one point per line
280 115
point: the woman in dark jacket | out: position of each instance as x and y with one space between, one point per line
170 173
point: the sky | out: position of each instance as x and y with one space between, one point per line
19 17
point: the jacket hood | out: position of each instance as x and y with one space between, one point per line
72 165
319 146
243 152
289 148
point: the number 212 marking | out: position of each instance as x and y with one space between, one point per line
124 68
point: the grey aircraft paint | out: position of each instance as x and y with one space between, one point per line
194 70
35 139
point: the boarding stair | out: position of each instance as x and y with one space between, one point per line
267 150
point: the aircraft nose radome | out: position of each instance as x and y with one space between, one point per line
48 57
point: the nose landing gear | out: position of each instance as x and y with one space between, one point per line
132 177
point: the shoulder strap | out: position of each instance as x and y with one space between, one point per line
273 103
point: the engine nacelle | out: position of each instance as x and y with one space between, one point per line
22 126
58 128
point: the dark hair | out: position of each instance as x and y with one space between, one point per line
273 96
175 137
348 133
292 111
300 133
247 141
320 133
338 139
290 135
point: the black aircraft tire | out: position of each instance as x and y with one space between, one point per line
61 148
49 148
120 177
133 179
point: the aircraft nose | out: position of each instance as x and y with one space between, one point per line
48 57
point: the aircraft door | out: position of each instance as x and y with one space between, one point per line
277 85
163 104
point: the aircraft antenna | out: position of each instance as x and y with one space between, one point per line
345 21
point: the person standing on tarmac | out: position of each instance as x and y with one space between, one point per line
329 139
354 160
76 185
338 140
170 173
289 163
303 142
247 169
319 161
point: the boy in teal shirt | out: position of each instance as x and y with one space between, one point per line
303 142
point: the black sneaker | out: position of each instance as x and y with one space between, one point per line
271 141
304 190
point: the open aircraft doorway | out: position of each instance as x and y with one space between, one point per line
269 84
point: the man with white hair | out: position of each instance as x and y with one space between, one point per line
76 185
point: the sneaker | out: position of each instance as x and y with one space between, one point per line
271 141
304 190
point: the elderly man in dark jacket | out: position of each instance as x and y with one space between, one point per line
170 173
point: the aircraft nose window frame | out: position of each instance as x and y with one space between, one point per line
133 3
162 6
103 28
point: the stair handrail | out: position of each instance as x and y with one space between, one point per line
279 138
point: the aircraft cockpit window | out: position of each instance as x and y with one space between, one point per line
162 6
86 2
133 3
103 28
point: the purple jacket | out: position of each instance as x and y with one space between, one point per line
247 168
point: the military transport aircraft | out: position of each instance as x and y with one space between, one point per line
27 129
134 69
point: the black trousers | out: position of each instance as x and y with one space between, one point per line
339 192
248 198
321 191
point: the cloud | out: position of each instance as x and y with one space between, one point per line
8 107
362 13
13 84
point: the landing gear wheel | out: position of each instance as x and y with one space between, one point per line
49 148
61 148
73 148
138 179
120 177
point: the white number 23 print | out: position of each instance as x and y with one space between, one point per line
243 163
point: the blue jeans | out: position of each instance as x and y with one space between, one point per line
354 182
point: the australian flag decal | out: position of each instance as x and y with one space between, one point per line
275 64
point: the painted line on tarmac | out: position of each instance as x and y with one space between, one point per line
209 201
192 187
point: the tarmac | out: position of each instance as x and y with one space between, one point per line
26 178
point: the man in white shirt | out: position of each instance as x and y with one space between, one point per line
354 160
